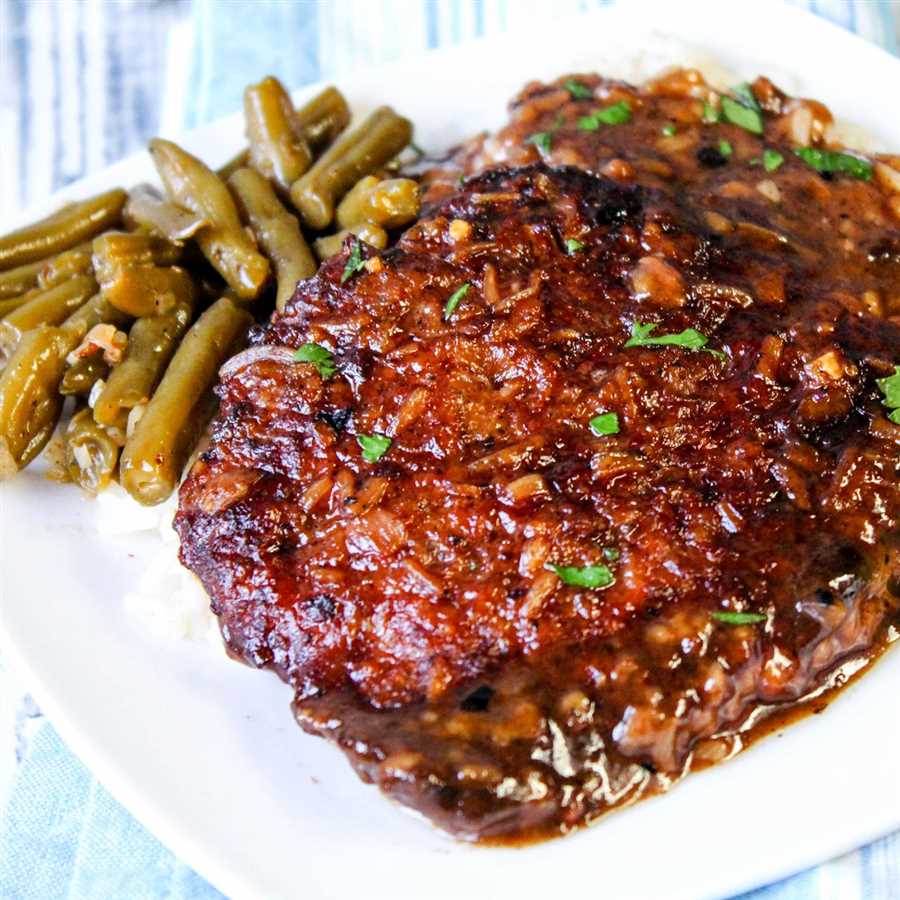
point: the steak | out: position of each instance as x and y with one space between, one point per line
583 478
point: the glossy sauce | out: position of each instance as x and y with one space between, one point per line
746 508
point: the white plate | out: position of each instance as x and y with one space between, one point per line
205 752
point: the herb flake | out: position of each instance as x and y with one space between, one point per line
355 262
543 140
573 246
318 356
605 423
689 339
890 387
669 129
595 577
374 446
738 618
454 300
725 148
577 90
824 161
772 160
711 115
617 114
743 116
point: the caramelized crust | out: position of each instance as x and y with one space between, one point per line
747 507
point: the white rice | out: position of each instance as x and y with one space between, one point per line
168 600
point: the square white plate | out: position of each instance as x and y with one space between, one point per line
205 752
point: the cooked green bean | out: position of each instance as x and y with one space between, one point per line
276 230
30 402
148 290
323 118
49 307
383 135
388 203
7 306
331 244
117 250
20 280
317 123
97 311
146 209
63 230
239 161
276 151
161 442
151 343
224 242
70 264
83 374
90 454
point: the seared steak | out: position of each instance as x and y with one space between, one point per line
524 556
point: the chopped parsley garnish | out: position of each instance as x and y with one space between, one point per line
354 262
585 576
833 161
743 116
573 246
611 554
669 129
738 618
690 339
772 160
318 356
577 90
745 96
725 148
710 114
890 387
605 423
374 446
543 140
617 114
454 300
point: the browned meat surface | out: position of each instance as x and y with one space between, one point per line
513 619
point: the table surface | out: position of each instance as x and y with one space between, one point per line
86 83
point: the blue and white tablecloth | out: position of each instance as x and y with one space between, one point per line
85 82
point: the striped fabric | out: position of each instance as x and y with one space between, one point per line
86 82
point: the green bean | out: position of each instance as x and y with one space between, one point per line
389 203
97 311
63 230
151 343
90 454
331 244
146 209
30 402
238 161
276 230
148 290
70 264
276 151
13 303
380 137
117 250
161 442
20 280
49 307
323 118
316 123
224 242
80 378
